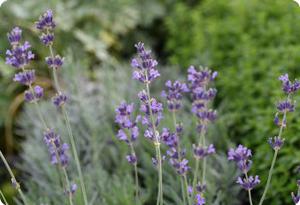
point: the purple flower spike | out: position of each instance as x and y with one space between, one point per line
57 150
241 156
55 62
38 94
127 122
249 183
296 198
14 36
199 199
26 77
174 94
47 39
19 56
59 100
276 142
201 152
285 106
131 158
288 86
170 139
45 21
144 65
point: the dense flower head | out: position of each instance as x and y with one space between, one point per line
276 142
248 183
169 138
288 86
200 78
72 190
174 94
59 100
55 62
285 106
57 150
47 39
181 166
26 77
34 95
201 151
241 155
155 109
46 21
14 37
19 56
200 200
131 158
206 115
145 65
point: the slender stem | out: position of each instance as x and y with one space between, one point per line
249 190
157 146
3 197
273 162
135 174
70 133
187 191
74 150
179 156
17 185
269 178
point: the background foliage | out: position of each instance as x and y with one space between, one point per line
250 43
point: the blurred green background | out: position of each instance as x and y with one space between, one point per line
249 42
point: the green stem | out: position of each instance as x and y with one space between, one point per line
273 162
18 186
179 156
187 191
70 133
157 146
75 154
3 197
249 191
135 174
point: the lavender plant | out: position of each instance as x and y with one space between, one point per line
19 57
46 25
241 155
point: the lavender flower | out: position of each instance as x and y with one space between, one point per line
145 65
131 158
276 142
155 110
296 198
72 189
202 95
174 94
181 166
25 77
19 55
45 21
248 183
37 94
201 152
47 39
285 106
170 139
59 100
14 36
55 62
56 149
241 156
199 199
128 131
288 86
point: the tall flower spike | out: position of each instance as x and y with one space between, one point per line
45 21
145 65
57 150
174 94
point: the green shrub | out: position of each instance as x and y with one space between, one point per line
250 43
